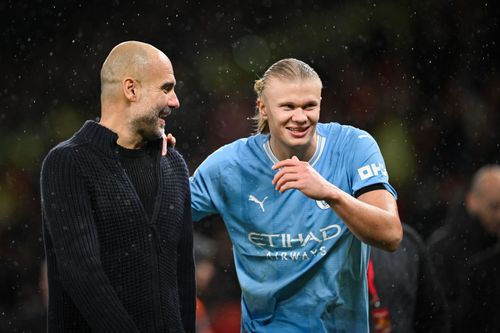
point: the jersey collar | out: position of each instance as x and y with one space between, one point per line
317 154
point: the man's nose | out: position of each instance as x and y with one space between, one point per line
299 115
173 101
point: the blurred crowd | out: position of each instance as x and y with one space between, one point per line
421 76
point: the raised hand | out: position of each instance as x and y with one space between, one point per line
296 174
168 141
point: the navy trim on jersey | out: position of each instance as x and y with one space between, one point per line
369 188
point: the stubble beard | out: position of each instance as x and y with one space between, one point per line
148 127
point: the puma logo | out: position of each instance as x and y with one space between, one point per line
257 201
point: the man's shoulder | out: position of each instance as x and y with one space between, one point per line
412 241
235 150
346 140
232 155
63 159
412 235
344 134
245 143
442 240
175 159
174 154
64 149
339 129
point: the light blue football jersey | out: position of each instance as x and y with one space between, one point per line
300 268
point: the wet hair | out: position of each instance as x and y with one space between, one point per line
284 69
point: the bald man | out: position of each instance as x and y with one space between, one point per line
116 211
462 250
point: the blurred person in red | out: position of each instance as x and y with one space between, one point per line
43 283
466 254
227 317
218 307
204 251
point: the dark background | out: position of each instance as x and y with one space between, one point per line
421 76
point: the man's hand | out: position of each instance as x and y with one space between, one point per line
168 141
295 174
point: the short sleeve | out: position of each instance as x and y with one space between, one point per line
204 186
367 164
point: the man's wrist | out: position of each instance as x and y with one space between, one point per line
334 195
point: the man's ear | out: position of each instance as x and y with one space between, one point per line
130 89
471 202
262 108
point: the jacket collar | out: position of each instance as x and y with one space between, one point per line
103 139
468 227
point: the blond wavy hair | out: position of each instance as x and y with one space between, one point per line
284 69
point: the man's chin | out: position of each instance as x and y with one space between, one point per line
160 132
153 136
158 135
301 143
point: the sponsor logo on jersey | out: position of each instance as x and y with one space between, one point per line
290 240
296 255
257 201
291 246
322 204
371 170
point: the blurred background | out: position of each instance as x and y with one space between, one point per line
421 76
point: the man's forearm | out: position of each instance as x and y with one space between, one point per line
373 220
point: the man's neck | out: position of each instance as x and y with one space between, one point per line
126 138
304 153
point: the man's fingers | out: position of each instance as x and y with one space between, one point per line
164 146
171 141
168 141
287 178
283 171
289 185
288 162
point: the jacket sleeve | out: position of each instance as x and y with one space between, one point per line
185 269
431 311
69 221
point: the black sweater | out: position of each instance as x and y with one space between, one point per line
461 250
110 267
407 284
